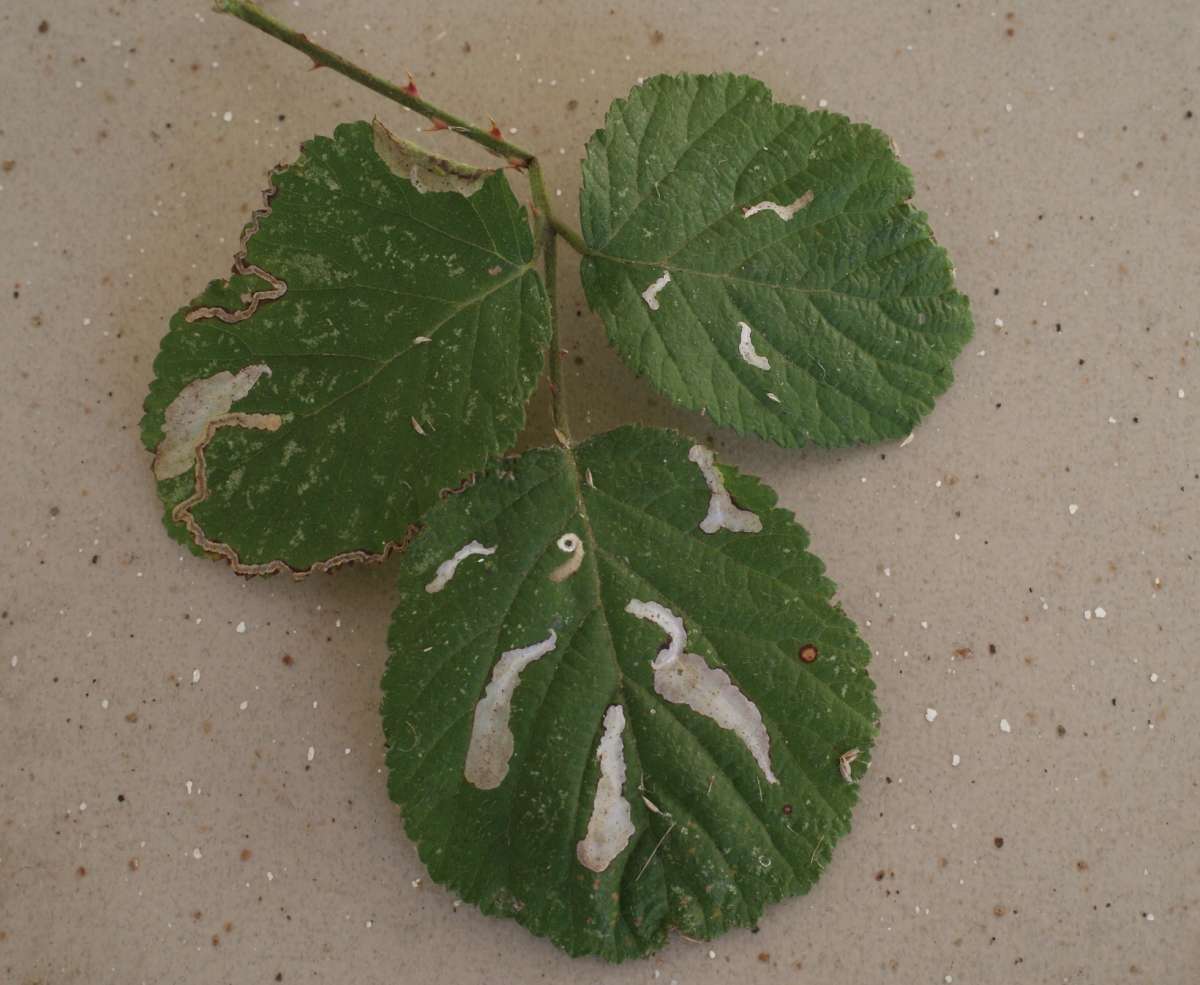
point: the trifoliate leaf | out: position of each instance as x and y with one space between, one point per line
619 700
760 262
378 340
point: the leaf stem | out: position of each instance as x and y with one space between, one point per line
544 221
558 392
406 96
566 232
255 16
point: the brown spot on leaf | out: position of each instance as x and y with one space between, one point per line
808 653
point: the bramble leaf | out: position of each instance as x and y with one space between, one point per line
377 342
619 700
760 262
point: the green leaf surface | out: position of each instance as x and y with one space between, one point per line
535 605
760 262
377 343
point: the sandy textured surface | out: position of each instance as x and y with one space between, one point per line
1030 557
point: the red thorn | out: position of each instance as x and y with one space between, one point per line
315 65
495 131
411 88
518 163
437 125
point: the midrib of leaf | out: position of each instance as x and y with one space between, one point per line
383 365
621 695
675 165
734 277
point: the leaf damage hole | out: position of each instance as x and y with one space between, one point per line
491 738
611 825
687 679
573 545
650 294
721 511
785 212
747 352
447 568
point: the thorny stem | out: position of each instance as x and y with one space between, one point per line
406 96
253 15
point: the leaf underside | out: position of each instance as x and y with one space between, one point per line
794 224
712 839
367 308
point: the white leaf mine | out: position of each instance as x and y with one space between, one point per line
447 568
611 825
569 544
199 404
785 212
426 172
721 511
746 349
845 761
491 738
687 679
650 294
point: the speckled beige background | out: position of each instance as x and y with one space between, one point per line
162 827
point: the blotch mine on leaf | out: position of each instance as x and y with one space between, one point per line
785 212
570 544
491 738
427 172
746 349
687 679
650 294
611 825
447 568
201 403
721 511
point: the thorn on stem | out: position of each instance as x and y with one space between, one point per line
411 88
518 163
494 132
438 124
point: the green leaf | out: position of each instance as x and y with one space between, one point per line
377 343
540 601
760 262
